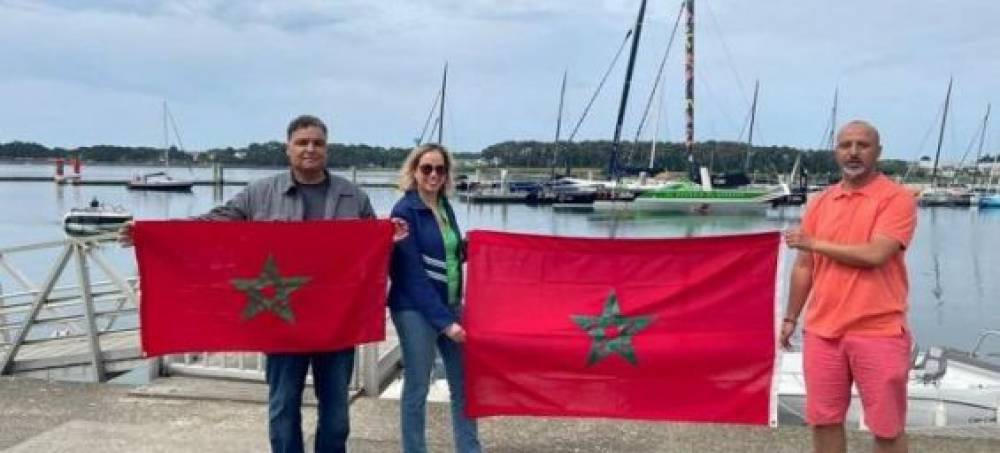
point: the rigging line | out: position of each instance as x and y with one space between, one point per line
930 129
434 127
984 130
177 133
725 50
586 109
430 114
968 148
743 129
923 143
824 141
703 81
659 74
952 135
996 160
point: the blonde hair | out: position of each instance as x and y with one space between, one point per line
407 181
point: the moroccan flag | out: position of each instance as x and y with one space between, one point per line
656 329
261 286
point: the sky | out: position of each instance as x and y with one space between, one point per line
82 72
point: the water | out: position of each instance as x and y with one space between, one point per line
954 261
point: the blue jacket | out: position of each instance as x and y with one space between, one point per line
419 274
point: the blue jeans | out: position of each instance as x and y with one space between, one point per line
286 379
418 338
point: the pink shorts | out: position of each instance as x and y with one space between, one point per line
879 366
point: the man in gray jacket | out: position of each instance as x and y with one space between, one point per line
306 192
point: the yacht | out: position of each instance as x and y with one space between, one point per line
96 218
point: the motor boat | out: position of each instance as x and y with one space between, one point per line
96 218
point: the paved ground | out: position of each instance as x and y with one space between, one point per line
183 415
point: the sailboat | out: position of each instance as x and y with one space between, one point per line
690 197
938 194
161 180
991 197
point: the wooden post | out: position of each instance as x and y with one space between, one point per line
97 358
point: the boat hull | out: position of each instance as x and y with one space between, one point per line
91 223
178 186
702 206
992 201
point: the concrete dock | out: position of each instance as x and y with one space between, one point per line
190 414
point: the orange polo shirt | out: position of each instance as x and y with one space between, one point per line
853 300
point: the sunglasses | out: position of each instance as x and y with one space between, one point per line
426 169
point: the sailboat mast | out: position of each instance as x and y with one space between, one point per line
555 149
689 88
753 117
944 120
613 162
444 86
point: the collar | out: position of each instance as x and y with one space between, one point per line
289 185
415 202
868 190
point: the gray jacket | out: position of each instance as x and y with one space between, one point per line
277 198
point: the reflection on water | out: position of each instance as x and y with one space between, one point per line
937 291
953 261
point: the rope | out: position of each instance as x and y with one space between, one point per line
599 86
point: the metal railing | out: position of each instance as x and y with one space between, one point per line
982 337
374 365
27 316
43 317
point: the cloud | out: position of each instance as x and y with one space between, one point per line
235 72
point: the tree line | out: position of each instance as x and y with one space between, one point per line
269 154
720 156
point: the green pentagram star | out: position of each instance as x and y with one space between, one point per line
603 344
258 302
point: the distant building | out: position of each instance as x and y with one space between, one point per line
986 167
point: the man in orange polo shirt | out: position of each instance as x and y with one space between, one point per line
851 272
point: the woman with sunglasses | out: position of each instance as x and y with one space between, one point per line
426 294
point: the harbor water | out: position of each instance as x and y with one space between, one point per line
953 262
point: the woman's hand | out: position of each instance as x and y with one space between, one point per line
455 332
400 229
125 234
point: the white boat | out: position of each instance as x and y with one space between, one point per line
952 195
160 180
95 219
934 196
946 387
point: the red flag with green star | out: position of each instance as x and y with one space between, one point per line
261 286
654 329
